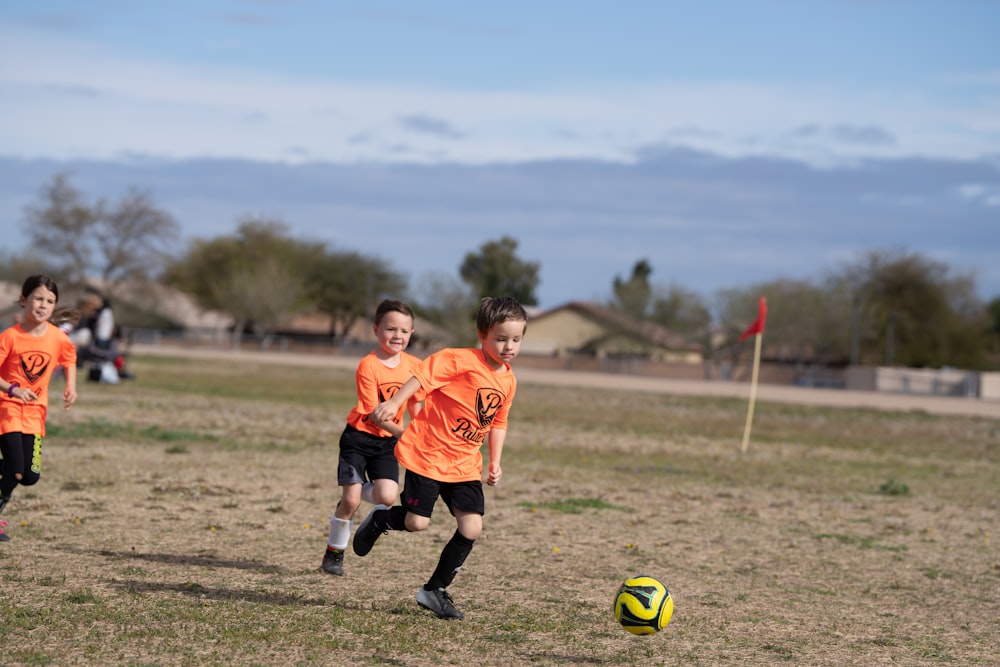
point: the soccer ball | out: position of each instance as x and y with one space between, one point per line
643 605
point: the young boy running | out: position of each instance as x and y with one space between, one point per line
367 467
468 397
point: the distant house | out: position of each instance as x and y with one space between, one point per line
579 328
426 336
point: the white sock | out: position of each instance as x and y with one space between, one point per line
340 533
368 492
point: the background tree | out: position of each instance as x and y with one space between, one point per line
450 304
112 242
681 310
348 286
257 276
914 311
632 296
806 323
993 330
15 267
496 270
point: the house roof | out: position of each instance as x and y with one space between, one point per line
605 323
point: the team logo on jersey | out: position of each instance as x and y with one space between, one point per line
34 365
385 392
388 390
488 401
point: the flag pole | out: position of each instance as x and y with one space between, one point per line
757 331
753 394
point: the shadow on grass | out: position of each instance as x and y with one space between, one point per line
562 658
185 560
207 593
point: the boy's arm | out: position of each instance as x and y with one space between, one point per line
394 429
69 392
387 410
497 438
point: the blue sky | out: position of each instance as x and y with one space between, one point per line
724 140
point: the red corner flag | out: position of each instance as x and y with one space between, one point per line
758 326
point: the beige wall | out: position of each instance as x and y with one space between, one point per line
989 386
561 331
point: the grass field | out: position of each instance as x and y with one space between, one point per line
182 516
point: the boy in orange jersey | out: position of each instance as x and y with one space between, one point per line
367 467
468 397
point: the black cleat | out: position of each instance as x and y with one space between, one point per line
333 561
440 602
367 533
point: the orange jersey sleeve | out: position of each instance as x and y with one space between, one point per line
465 399
376 383
30 361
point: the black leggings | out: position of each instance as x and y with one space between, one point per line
22 453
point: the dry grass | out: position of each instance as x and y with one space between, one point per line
181 519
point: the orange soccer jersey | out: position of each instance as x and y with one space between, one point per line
30 361
378 383
465 399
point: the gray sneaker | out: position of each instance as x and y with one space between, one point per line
367 533
440 602
333 562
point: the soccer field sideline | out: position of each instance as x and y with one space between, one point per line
940 405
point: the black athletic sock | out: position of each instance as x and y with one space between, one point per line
396 518
452 558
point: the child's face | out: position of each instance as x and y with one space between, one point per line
393 332
39 305
503 342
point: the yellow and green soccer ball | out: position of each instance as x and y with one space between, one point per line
643 605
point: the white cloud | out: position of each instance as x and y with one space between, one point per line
67 100
986 194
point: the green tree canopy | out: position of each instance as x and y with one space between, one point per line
257 276
496 270
914 311
348 286
681 310
632 296
805 322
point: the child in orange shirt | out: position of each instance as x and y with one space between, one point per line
30 351
367 468
468 397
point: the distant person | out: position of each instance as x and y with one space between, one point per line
468 397
367 468
98 326
82 334
29 354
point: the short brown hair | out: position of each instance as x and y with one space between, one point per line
497 310
392 306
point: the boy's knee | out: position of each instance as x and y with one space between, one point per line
415 523
470 533
384 498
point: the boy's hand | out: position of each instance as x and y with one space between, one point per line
385 412
494 475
